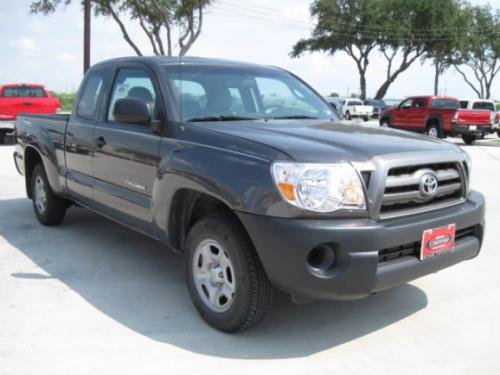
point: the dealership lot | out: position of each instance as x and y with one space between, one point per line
92 296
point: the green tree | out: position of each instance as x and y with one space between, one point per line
479 52
159 20
399 29
442 44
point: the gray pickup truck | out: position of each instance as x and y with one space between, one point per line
246 171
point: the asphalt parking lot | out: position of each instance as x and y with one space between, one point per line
92 296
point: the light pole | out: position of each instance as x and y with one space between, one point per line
86 35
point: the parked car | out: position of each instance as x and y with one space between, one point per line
486 105
253 195
354 108
334 102
392 103
436 116
379 106
24 98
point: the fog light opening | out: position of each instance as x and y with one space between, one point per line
321 258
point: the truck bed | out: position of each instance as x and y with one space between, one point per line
46 134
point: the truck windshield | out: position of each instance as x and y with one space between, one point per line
216 93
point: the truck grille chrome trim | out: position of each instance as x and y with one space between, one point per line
415 189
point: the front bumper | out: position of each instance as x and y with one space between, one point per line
361 114
284 244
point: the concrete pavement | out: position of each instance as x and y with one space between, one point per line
92 296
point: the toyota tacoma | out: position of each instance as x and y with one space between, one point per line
247 172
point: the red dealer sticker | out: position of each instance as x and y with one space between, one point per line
437 241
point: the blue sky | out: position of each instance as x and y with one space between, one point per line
48 50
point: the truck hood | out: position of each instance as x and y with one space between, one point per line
320 140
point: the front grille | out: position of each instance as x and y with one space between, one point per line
404 193
412 250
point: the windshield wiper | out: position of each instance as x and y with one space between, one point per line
221 118
294 117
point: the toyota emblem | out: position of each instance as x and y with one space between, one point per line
428 185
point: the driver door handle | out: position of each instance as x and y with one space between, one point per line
100 142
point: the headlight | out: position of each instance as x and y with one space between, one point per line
319 187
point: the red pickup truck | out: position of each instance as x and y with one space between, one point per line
437 116
24 98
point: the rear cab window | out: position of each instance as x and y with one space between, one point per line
91 94
484 105
464 104
451 104
24 92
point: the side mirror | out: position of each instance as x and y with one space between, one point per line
132 111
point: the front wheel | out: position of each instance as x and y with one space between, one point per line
365 119
224 276
49 208
385 123
469 139
347 115
498 133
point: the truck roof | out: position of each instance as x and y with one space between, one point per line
23 85
191 60
433 97
476 100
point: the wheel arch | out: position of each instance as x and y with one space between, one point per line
32 157
189 206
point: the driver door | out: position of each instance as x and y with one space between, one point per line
126 156
401 114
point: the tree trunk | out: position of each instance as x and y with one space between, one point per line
362 84
408 59
382 90
437 73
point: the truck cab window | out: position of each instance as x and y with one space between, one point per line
90 95
134 83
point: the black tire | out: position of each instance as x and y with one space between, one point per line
2 136
498 133
365 119
385 123
469 139
253 291
348 116
53 210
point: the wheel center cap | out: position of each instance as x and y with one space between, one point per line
216 275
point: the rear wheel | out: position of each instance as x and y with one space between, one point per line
498 133
365 119
469 139
49 208
347 115
225 278
3 133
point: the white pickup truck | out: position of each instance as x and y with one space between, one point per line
354 108
484 104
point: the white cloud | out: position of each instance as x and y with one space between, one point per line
66 58
24 44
